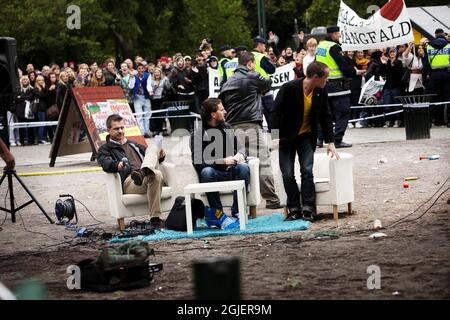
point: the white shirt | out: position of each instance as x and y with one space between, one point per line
307 60
415 80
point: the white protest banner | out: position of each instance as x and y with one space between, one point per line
214 83
281 76
388 27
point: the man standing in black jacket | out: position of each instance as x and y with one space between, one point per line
300 105
241 96
136 165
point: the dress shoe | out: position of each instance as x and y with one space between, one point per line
342 145
138 175
308 215
157 223
294 215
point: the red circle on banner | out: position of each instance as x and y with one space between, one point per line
392 10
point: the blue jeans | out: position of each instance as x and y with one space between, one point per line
389 98
303 147
239 172
142 105
41 130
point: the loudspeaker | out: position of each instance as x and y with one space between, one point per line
9 77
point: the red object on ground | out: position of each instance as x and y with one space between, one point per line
406 185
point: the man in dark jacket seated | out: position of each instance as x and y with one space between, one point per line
216 153
299 107
136 164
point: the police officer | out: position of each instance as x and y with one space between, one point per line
227 56
437 65
264 67
330 52
231 65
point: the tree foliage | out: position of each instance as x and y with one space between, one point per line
121 29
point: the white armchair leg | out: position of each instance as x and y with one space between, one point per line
252 212
335 212
121 223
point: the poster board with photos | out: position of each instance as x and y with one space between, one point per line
82 123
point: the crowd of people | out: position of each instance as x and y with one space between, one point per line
147 85
405 69
311 110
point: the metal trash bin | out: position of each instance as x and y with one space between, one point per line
179 115
416 109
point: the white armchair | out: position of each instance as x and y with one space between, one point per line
253 192
333 180
130 205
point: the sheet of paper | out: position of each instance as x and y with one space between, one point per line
159 141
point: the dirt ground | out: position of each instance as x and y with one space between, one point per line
414 258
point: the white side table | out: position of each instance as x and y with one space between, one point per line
196 188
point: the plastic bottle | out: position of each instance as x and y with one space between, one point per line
432 157
377 224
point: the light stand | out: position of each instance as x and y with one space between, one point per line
10 174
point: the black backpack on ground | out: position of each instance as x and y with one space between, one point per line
177 216
117 268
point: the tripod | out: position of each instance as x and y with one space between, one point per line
13 210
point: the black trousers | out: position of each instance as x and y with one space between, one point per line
303 148
156 125
439 84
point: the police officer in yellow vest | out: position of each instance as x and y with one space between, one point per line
264 67
227 56
329 51
231 65
437 65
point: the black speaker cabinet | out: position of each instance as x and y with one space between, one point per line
9 77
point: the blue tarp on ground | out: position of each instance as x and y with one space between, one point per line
262 224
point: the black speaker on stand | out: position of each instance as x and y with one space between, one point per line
9 82
9 76
9 86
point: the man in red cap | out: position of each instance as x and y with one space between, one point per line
165 65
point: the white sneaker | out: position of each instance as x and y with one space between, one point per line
396 124
387 124
13 144
350 126
358 125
